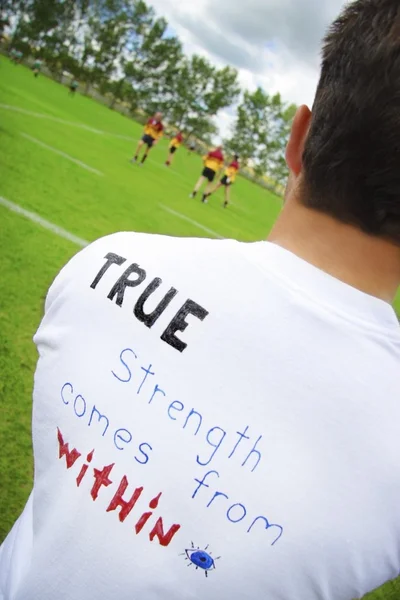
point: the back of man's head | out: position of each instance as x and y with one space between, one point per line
351 158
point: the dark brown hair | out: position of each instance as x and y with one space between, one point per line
352 153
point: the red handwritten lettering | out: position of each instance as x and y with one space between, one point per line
70 456
158 530
126 506
101 478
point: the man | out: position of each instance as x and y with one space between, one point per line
173 147
73 86
228 179
153 131
37 65
213 162
215 419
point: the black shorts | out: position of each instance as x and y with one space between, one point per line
208 174
148 140
226 181
173 149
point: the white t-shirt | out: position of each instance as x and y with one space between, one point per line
214 420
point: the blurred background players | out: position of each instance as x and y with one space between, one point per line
16 56
173 147
228 179
37 65
153 131
213 162
73 86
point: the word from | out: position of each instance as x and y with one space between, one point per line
178 323
102 479
236 512
200 558
214 437
121 437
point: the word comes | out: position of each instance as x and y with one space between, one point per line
101 423
102 479
178 323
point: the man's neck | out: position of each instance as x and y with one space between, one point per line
367 263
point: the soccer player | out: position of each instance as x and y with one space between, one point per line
219 420
37 65
73 86
213 162
153 131
173 147
16 56
228 179
191 147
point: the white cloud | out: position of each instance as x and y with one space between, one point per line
272 43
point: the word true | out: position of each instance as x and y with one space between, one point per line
237 512
178 323
238 444
102 479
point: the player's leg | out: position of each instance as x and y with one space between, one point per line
227 195
172 151
213 189
149 141
145 154
197 186
139 147
207 192
210 175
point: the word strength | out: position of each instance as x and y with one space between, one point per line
123 500
239 445
133 277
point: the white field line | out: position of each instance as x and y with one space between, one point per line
43 222
63 154
30 113
195 223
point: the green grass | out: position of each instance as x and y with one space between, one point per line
125 197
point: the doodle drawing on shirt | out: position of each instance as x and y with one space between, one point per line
200 558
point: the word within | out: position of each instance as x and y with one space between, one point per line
118 502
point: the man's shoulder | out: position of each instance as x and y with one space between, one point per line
152 255
163 249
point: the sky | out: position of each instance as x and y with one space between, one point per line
274 44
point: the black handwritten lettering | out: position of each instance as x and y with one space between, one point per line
123 282
178 323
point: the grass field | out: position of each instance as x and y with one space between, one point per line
97 192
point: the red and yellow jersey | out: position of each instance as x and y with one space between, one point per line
154 128
176 141
232 170
214 160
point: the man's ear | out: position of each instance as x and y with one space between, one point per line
297 140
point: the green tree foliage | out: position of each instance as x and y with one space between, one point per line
199 90
260 133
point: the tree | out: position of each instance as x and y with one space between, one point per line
260 133
150 60
47 28
104 33
198 91
276 162
8 9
